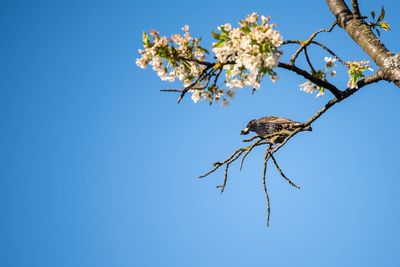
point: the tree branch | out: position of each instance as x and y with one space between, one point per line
325 84
270 150
361 33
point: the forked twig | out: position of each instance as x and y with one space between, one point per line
266 157
282 174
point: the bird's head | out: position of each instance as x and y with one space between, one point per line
250 127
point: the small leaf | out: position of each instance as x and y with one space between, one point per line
384 25
378 32
203 50
146 39
219 44
223 36
246 29
216 35
223 29
373 14
382 15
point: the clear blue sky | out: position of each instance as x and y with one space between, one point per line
98 168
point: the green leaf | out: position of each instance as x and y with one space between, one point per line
223 36
203 50
373 14
378 32
265 48
384 25
215 35
146 39
382 15
219 44
246 29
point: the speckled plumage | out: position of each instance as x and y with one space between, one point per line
268 125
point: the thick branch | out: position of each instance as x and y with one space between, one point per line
361 33
355 8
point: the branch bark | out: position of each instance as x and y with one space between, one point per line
327 85
361 33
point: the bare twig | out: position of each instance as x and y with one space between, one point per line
313 71
252 138
282 174
222 186
228 160
329 51
320 45
305 43
266 157
172 90
249 149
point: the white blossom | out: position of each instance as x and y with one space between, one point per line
196 95
330 62
356 69
308 87
253 50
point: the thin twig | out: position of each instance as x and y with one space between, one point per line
313 71
248 150
320 45
222 186
307 42
266 157
329 51
172 90
219 164
252 138
282 174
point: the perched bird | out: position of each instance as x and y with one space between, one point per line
269 125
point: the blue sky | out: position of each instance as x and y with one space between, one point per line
98 168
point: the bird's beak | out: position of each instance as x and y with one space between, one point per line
245 131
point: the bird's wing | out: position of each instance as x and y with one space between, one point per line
276 120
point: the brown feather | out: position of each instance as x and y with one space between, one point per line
277 120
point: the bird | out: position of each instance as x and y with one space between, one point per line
269 125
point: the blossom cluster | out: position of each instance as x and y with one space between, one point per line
177 57
244 54
356 69
310 87
248 52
